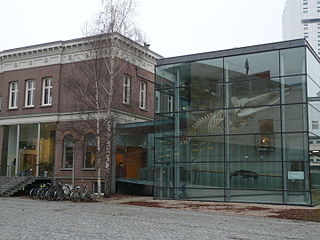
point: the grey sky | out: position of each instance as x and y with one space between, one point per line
173 27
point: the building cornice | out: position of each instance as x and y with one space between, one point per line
63 52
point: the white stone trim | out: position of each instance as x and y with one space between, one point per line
63 52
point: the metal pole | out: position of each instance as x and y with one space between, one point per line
38 151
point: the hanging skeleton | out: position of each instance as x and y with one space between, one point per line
244 110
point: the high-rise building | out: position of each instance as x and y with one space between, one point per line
301 19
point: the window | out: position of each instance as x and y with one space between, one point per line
126 89
68 149
13 95
317 142
95 187
29 97
315 125
47 92
90 151
157 102
310 142
143 94
170 103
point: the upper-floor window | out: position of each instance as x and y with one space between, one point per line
157 102
143 95
30 89
126 89
47 92
13 95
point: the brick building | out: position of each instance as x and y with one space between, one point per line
34 104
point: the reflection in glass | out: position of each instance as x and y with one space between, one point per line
248 148
47 148
293 89
251 120
294 117
28 148
90 151
293 61
252 66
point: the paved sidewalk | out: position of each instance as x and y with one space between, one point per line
34 219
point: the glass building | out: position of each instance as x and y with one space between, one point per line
233 125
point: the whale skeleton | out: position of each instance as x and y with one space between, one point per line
244 110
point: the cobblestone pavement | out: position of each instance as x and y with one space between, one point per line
34 219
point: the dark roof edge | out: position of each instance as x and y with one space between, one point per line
238 51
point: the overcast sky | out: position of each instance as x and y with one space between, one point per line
173 27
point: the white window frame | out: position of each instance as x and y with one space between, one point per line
126 89
30 90
47 88
157 102
143 95
13 95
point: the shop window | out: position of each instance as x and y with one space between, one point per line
47 92
68 151
29 95
126 89
90 151
13 95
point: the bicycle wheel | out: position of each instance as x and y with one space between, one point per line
75 196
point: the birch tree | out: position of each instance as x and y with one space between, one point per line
92 81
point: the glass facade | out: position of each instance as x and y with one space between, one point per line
238 129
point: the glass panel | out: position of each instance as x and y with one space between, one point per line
255 175
314 117
28 148
199 98
163 181
297 176
295 147
206 73
164 149
252 66
248 148
254 120
294 117
313 67
294 89
164 125
256 196
293 61
202 194
47 149
313 90
202 149
202 123
253 93
10 151
201 175
299 198
165 76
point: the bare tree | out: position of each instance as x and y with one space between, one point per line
92 81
